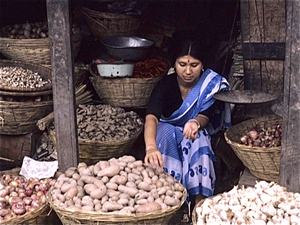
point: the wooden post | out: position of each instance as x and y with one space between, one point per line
263 42
63 83
290 153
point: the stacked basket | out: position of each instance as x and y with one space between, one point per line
105 24
21 108
263 163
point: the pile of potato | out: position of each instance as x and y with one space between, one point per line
120 185
30 30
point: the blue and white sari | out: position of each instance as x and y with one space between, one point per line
192 162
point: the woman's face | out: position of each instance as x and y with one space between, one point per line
188 68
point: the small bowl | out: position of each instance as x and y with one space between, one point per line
128 47
115 69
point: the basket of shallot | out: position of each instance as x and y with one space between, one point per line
23 201
257 142
265 203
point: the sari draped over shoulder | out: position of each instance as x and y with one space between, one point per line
191 162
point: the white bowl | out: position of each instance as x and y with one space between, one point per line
115 69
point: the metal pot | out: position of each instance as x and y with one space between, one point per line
128 47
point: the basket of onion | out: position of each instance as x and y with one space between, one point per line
257 143
23 201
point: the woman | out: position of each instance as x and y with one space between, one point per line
178 120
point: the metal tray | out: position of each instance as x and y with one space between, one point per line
245 96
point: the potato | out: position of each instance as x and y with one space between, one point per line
170 201
88 179
67 185
141 201
179 187
131 191
127 158
98 193
110 171
149 207
178 194
70 171
111 185
112 206
89 188
73 191
144 186
123 201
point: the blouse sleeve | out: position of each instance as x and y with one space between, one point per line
156 101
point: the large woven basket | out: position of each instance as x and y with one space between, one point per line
124 92
105 24
18 118
45 74
91 152
33 50
69 216
263 163
35 217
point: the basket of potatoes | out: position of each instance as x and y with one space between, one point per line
29 42
116 191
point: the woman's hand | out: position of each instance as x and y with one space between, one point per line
190 130
154 157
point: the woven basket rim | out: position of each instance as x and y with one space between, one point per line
28 104
114 217
105 15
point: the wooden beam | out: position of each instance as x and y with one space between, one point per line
290 153
63 83
264 51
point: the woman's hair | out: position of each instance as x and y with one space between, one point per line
184 45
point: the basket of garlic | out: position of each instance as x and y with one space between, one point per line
265 203
257 143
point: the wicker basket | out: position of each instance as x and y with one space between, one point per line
45 73
124 92
91 152
33 50
68 216
18 118
105 24
36 217
263 163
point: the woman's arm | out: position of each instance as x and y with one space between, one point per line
153 155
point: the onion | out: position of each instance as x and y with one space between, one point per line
19 208
3 192
4 212
14 200
35 204
14 183
253 134
2 205
27 200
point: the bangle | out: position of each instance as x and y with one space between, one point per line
194 120
149 147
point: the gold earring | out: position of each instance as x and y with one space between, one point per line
202 70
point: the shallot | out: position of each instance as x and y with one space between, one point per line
262 137
19 196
